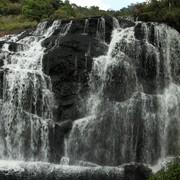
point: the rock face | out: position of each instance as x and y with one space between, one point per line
64 50
137 172
100 90
68 61
133 101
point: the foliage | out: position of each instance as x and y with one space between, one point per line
56 3
3 6
16 25
13 22
167 11
59 14
37 9
126 11
170 172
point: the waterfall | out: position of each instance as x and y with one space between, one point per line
27 102
129 101
133 105
115 23
86 25
63 31
100 33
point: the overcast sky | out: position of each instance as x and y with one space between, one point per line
106 4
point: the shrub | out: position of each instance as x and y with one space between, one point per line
170 172
37 9
14 8
59 14
3 7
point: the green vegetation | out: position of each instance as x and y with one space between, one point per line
170 172
20 14
167 11
39 9
12 22
27 13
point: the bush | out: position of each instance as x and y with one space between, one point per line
59 14
14 8
148 16
3 7
37 9
170 172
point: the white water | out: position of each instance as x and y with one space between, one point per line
86 25
47 170
101 29
129 119
27 108
162 163
115 23
125 121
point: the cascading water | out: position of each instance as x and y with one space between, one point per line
100 33
27 102
115 23
133 109
86 25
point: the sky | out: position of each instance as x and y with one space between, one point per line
106 4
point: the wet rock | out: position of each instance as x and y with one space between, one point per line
137 172
15 47
126 23
122 82
1 44
68 62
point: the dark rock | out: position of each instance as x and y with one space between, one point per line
122 83
1 44
56 143
26 33
137 172
65 125
15 47
126 23
68 61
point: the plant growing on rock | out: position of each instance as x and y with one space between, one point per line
170 172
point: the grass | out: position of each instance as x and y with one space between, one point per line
10 23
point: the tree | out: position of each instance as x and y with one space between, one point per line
66 2
94 8
39 9
59 14
3 7
56 3
15 1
